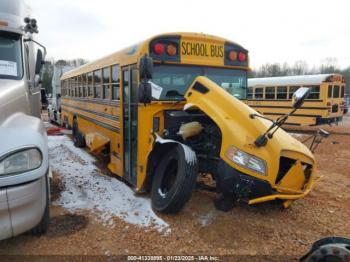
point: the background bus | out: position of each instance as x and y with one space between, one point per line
325 104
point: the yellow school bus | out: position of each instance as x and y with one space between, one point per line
325 104
169 109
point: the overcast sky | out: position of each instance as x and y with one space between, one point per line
273 31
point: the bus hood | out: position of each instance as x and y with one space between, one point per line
240 130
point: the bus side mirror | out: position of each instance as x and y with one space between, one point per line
146 67
145 93
299 97
39 62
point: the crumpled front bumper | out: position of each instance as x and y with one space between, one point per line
287 194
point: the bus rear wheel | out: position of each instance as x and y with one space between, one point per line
174 180
78 137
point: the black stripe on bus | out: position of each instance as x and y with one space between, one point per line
302 115
284 100
107 126
116 118
290 107
95 101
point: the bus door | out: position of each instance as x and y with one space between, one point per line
130 109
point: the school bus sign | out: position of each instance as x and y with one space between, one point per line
193 51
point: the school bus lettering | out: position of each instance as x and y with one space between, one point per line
202 49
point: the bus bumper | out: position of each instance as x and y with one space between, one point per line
254 190
288 195
327 121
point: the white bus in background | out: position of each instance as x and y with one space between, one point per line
54 109
24 164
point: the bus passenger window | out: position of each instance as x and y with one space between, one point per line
250 93
90 77
336 91
79 78
85 87
115 83
314 93
259 93
282 92
270 92
106 74
330 90
97 84
342 94
292 90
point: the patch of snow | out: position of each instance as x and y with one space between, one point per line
206 219
160 192
190 155
188 106
296 135
87 189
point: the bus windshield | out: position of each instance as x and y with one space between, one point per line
174 81
10 56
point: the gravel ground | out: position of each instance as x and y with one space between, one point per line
265 229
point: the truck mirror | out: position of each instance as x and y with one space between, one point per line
145 93
146 67
299 97
39 62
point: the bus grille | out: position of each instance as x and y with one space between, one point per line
285 164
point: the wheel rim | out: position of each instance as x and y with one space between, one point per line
169 177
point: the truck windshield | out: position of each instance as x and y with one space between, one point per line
172 82
10 56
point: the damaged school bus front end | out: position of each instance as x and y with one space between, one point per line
282 169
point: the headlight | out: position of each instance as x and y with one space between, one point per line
20 162
246 160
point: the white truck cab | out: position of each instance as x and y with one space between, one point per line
24 163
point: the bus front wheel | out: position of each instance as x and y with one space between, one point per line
174 180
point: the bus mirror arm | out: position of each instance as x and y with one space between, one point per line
316 139
262 140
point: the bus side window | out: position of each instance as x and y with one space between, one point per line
330 90
105 82
281 92
259 93
342 94
250 93
314 93
90 77
336 92
270 92
115 83
85 93
97 84
292 90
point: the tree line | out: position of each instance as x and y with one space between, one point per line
301 67
47 72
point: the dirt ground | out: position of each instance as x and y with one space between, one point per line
265 229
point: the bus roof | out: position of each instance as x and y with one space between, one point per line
130 54
294 80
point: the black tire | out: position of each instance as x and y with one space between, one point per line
78 138
43 225
174 180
